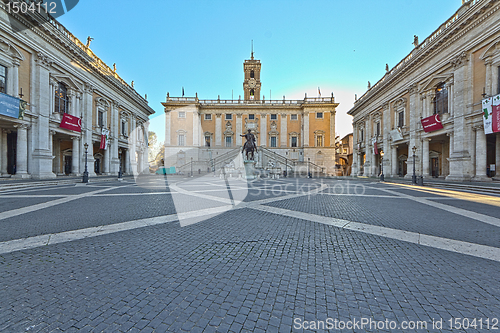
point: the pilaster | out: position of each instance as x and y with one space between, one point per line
283 131
263 130
460 159
238 129
42 155
218 130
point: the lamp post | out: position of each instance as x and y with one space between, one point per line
414 177
86 172
120 167
381 166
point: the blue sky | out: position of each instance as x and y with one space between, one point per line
200 45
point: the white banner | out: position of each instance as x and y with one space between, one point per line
488 115
396 134
105 133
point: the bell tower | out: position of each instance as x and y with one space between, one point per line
251 84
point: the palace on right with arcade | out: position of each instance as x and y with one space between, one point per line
438 109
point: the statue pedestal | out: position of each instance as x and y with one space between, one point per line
249 169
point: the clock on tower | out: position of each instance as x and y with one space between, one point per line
251 84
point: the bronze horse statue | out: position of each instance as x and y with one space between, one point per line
250 147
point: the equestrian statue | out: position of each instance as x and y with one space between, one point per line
250 147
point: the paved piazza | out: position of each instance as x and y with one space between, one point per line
213 255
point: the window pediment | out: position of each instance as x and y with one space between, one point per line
68 82
433 81
11 49
492 50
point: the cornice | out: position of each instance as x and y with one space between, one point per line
465 22
50 34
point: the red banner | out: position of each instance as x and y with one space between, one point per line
432 123
71 122
375 148
496 114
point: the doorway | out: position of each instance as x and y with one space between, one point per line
68 163
435 167
97 165
11 152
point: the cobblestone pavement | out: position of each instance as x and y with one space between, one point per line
213 255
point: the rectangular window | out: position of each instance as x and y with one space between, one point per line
229 116
378 129
207 140
401 119
181 140
345 151
3 79
273 142
294 141
293 117
274 116
182 114
251 116
208 117
100 118
319 141
362 135
319 115
229 141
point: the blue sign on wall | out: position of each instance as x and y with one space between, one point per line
9 106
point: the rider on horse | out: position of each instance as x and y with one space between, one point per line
250 145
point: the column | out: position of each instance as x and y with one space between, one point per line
3 151
51 147
57 158
283 130
425 157
394 161
127 161
218 130
75 156
238 130
52 89
72 105
450 97
480 155
263 130
42 155
497 156
14 77
22 151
